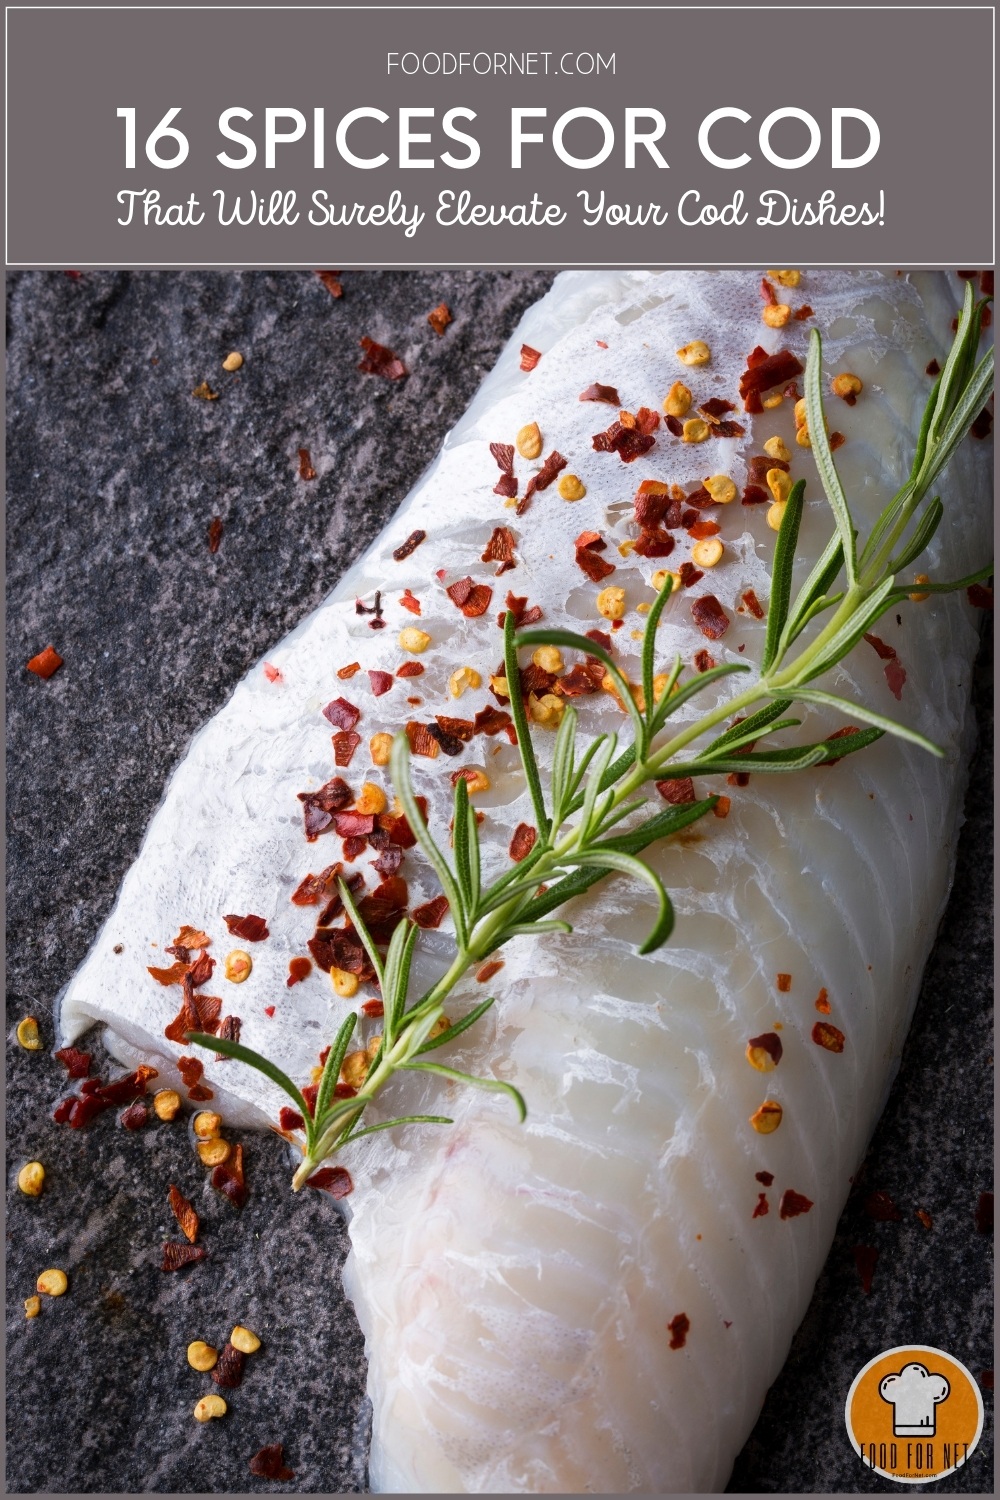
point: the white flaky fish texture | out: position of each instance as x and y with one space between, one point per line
524 1288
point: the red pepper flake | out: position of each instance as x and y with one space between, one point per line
486 973
135 1117
755 495
765 371
765 1177
412 603
331 280
490 720
822 1003
710 617
500 549
410 545
298 969
801 313
552 466
518 605
378 360
77 1064
933 368
272 673
439 317
175 1255
601 393
630 437
174 975
880 1207
768 293
341 714
753 604
422 742
411 669
702 529
677 790
828 1036
522 842
290 1119
792 1204
431 914
473 599
762 1207
504 455
984 1214
738 778
190 1070
306 470
198 1013
354 824
837 440
214 533
185 1213
201 970
381 682
269 1463
229 1031
251 928
333 1180
344 742
315 888
784 983
529 357
506 486
594 566
980 596
269 1011
678 1329
228 1370
703 661
227 1178
722 807
46 662
866 1259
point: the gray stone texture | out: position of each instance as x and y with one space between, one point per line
115 472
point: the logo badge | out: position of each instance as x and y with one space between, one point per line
914 1414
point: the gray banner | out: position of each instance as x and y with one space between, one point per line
664 136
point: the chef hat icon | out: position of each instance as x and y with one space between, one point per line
914 1394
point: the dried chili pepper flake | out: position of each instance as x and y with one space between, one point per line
185 1214
462 729
201 970
550 470
215 529
866 1259
204 392
702 529
500 547
336 1181
135 1117
410 545
784 983
176 1255
605 393
229 1031
801 313
381 682
228 1370
738 778
378 360
984 1214
422 742
880 1207
298 969
486 973
190 1070
410 601
765 1177
341 714
822 1003
678 1329
722 807
762 1207
826 1035
980 596
439 317
792 1204
251 928
506 486
314 888
764 371
45 663
306 470
77 1064
677 790
490 720
473 599
272 673
228 1181
703 661
529 357
290 1119
269 1463
431 913
331 280
174 975
595 567
754 494
354 824
753 604
201 1093
522 842
504 455
345 742
710 617
924 1217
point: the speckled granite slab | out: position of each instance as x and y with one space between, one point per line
114 474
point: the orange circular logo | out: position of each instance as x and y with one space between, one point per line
914 1414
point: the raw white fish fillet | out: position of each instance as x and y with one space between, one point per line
515 1283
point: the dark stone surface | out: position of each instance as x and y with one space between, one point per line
114 474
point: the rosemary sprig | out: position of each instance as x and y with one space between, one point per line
593 790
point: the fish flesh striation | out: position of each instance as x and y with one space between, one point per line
598 1300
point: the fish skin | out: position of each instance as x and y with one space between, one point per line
515 1283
